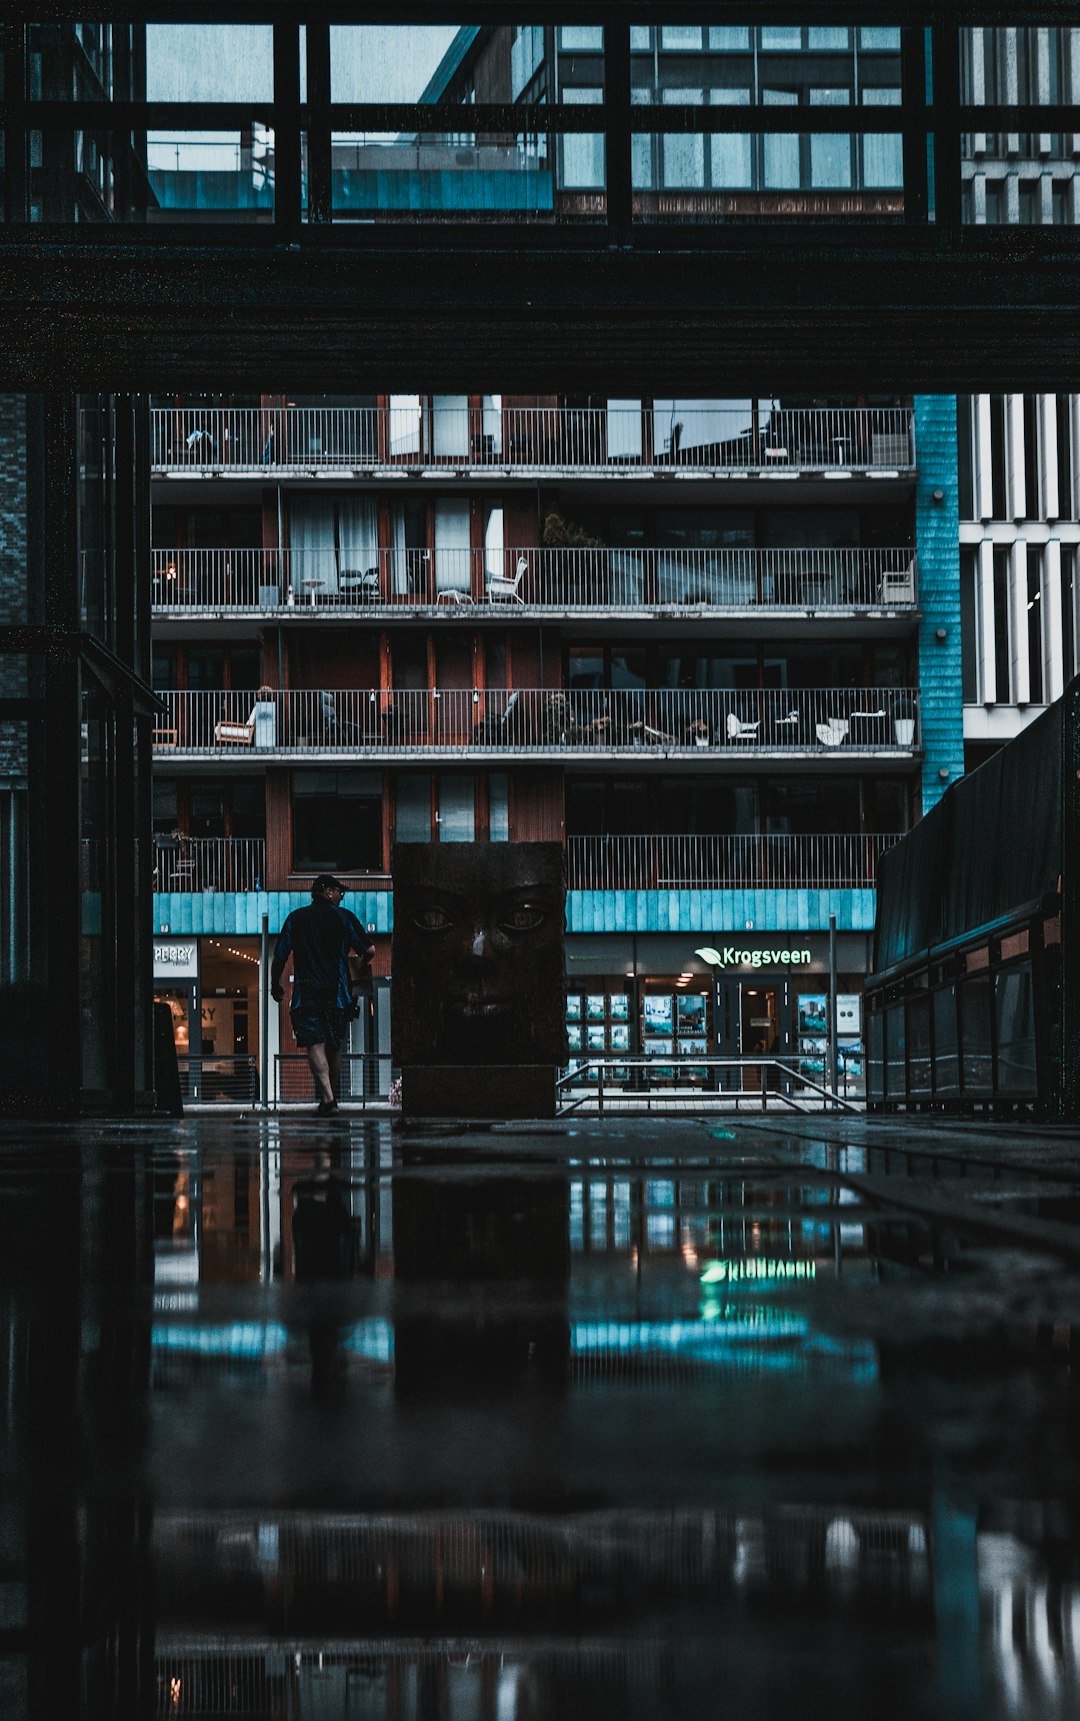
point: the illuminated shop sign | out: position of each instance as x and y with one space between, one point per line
175 959
733 956
755 1267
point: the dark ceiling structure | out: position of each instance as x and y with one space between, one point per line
923 302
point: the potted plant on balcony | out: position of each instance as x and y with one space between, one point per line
265 716
698 731
904 719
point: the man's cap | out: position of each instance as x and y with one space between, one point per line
327 881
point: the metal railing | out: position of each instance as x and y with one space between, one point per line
666 1080
373 721
725 862
364 1076
231 1078
209 863
538 579
716 437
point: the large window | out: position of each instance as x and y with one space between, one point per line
337 821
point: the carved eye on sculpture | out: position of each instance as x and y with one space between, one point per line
432 917
524 916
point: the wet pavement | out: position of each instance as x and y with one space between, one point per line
637 1418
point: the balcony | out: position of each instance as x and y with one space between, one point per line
623 583
846 862
209 863
836 724
394 441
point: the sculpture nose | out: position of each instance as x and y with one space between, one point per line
479 943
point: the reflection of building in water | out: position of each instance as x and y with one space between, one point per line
506 1239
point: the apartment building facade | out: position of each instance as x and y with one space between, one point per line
711 644
705 643
1019 543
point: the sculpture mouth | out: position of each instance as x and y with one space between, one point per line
479 1004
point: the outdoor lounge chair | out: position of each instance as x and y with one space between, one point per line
833 733
501 590
737 730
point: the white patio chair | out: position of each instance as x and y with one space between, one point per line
737 730
501 590
833 733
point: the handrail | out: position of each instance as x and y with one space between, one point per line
183 863
374 722
538 579
689 862
420 435
783 1066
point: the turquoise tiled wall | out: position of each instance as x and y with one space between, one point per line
181 912
937 530
714 911
241 911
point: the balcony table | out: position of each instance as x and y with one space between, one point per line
313 586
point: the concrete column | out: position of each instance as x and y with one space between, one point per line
1051 602
984 479
1046 413
987 669
1018 620
1015 458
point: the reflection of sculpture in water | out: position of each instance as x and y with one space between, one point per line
478 954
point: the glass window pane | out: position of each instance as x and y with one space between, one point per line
392 62
209 62
680 36
412 810
589 37
498 807
729 38
457 821
781 150
781 36
830 161
826 37
879 39
732 152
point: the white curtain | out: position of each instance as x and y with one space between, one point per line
492 421
493 543
312 564
358 534
452 546
450 425
401 565
404 424
624 429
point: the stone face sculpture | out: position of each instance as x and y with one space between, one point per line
478 1000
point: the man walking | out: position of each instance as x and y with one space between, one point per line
319 940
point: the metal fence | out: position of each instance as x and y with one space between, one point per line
364 1076
725 862
664 1080
540 579
373 721
225 1079
719 437
209 863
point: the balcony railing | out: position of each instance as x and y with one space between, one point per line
373 722
542 580
727 862
581 439
209 863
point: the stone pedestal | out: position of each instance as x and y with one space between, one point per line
478 1090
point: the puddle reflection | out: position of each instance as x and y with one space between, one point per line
408 1430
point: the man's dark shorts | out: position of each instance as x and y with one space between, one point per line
320 1027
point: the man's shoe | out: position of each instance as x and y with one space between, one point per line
326 1108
